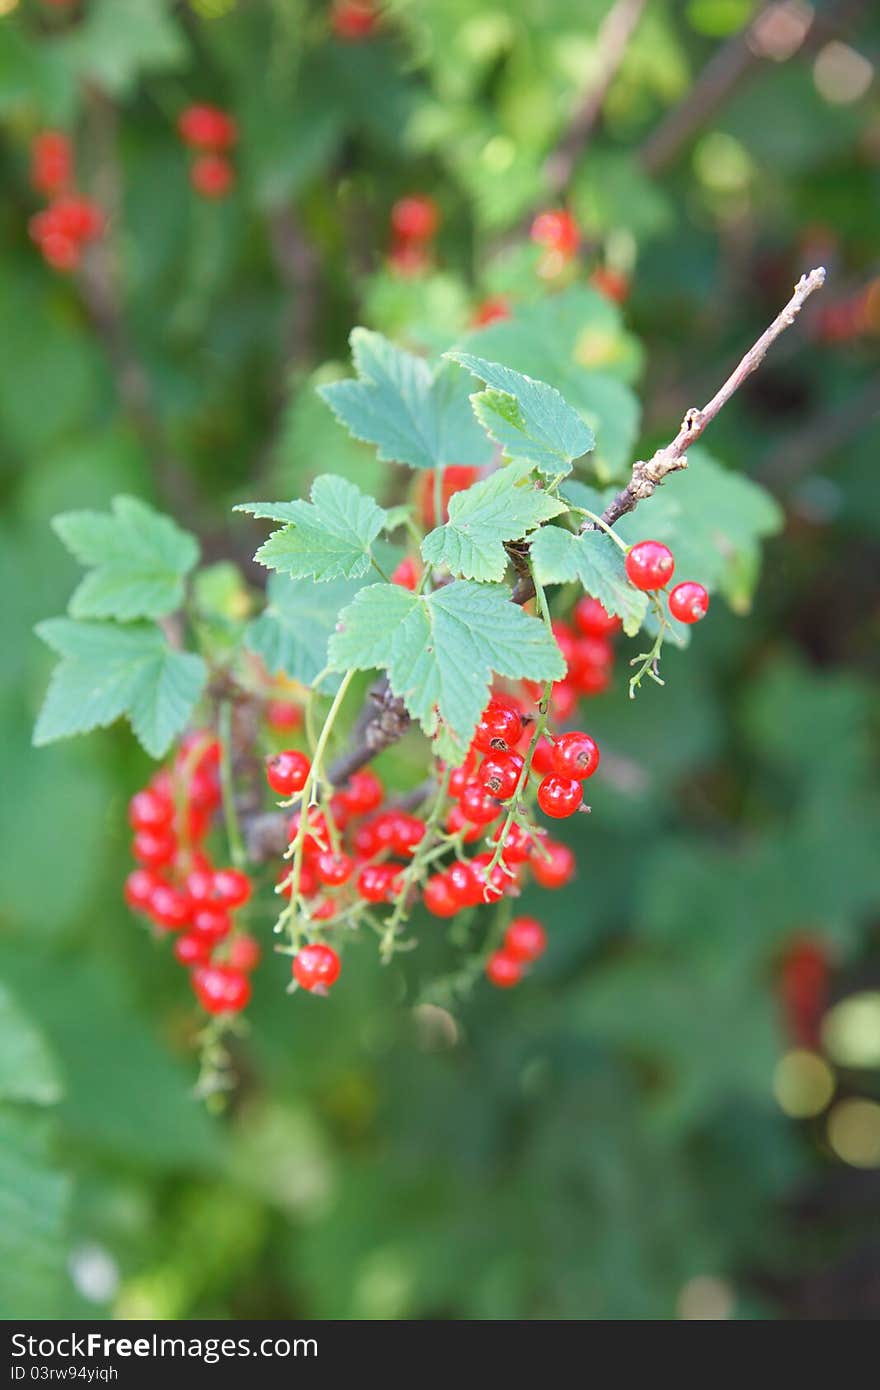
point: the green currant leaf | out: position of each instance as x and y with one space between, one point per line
593 560
414 413
107 671
139 560
529 419
503 507
35 1199
292 632
441 649
329 537
575 340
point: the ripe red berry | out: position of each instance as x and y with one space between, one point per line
477 805
456 478
553 866
689 602
169 907
415 218
592 620
376 882
283 715
611 283
210 922
494 885
51 162
556 230
232 888
287 772
316 967
190 949
575 755
406 833
150 810
207 128
559 796
211 176
517 844
364 793
154 848
334 869
353 19
491 310
139 888
649 565
503 970
220 989
457 823
500 728
542 758
525 939
564 699
464 886
244 953
439 898
499 773
406 574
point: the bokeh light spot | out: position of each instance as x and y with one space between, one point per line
803 1083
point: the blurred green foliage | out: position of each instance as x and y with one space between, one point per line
605 1142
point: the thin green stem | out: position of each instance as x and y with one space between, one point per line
230 814
438 496
415 868
309 798
379 570
648 662
603 526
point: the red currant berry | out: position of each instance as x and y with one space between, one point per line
407 832
353 19
376 882
244 953
477 805
154 848
575 755
210 922
464 887
460 776
592 620
517 844
51 162
200 883
689 602
207 128
593 680
491 886
499 774
324 910
415 218
212 176
283 715
610 283
500 728
406 574
139 888
438 897
457 823
525 939
169 907
649 565
491 310
334 869
364 793
316 967
503 970
554 865
564 699
556 230
220 989
232 888
559 796
542 758
190 949
287 772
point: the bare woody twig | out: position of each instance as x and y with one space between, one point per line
648 475
615 33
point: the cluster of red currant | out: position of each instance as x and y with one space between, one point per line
211 132
353 20
70 221
558 235
414 223
650 566
525 941
178 888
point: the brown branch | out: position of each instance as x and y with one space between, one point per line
616 30
648 475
